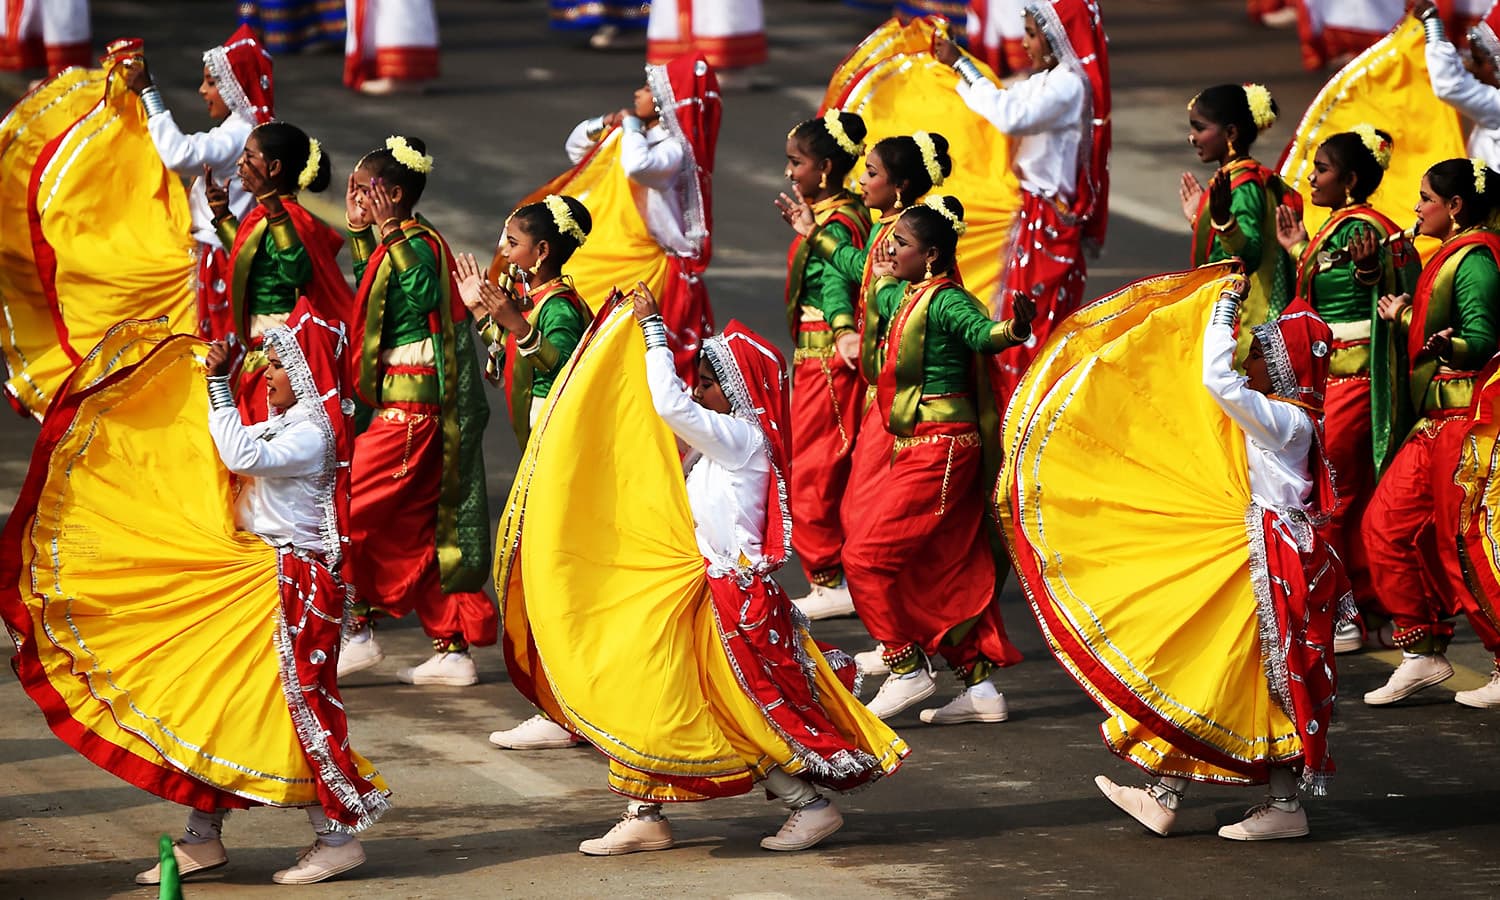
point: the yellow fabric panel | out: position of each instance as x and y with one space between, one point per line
26 329
1129 412
896 85
1388 87
614 584
608 579
168 612
620 250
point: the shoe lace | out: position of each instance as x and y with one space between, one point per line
536 718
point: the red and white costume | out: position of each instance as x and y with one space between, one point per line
730 34
1061 117
37 33
1331 29
395 39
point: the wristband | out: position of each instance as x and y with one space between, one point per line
633 123
151 99
219 395
655 332
968 71
594 128
1433 25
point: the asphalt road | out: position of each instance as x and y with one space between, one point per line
981 810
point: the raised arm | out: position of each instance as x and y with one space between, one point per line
655 166
1267 422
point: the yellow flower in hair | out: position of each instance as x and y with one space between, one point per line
936 203
1480 171
929 157
562 217
1379 147
314 161
1258 96
841 137
407 155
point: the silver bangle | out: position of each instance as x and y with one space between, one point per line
1226 310
1433 25
151 99
655 332
633 123
594 128
219 394
968 71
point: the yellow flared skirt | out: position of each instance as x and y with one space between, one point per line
96 231
1126 495
609 625
147 622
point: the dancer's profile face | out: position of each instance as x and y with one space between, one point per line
645 104
1209 138
1036 46
209 91
1256 371
1434 212
806 171
519 248
1329 182
909 255
875 185
708 392
1482 66
279 393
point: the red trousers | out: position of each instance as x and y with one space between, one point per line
1046 263
396 480
1410 533
1346 408
916 555
826 399
215 311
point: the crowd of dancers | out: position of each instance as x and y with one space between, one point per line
1208 483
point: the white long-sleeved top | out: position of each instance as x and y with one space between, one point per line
1046 113
653 160
278 498
186 154
1278 436
1475 100
727 484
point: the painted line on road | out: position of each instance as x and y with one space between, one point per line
1170 221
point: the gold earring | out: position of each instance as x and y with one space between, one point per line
898 198
823 181
928 276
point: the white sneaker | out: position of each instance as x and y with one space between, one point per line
967 708
200 857
1348 638
321 862
536 733
805 828
1268 822
872 662
453 669
1487 697
898 692
1140 804
359 655
1286 17
825 602
631 834
1414 674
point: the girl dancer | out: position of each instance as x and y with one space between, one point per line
1236 216
920 568
1357 256
215 687
420 521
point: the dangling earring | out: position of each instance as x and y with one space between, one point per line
928 275
898 198
823 181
